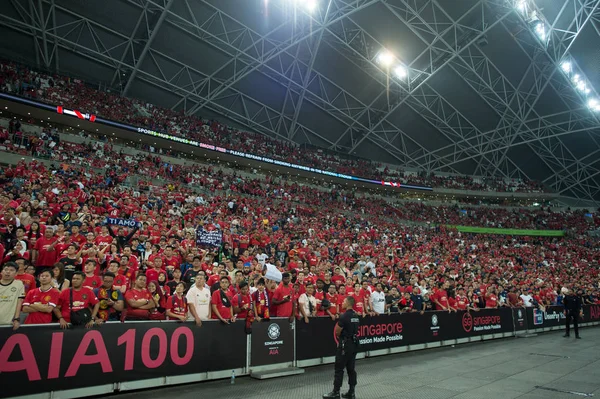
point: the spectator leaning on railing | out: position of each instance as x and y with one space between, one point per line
12 294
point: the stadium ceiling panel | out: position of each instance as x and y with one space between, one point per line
481 87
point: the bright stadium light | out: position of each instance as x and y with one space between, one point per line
581 86
385 58
576 78
566 66
522 6
311 5
400 72
540 30
594 104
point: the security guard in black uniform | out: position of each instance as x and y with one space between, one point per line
346 331
573 310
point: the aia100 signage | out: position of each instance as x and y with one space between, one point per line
45 358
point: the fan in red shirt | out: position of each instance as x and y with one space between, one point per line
27 279
242 302
461 301
440 298
127 271
177 307
261 301
139 300
120 282
334 301
77 238
319 296
83 297
45 254
282 297
104 238
40 302
338 278
301 283
157 268
91 279
221 302
491 299
359 300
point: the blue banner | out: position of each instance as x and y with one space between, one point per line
131 223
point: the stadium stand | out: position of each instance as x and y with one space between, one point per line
336 236
74 93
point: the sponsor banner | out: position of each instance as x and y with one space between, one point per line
591 313
553 316
465 324
512 232
208 238
45 358
131 223
519 319
388 331
308 346
272 342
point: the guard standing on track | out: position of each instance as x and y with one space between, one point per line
573 310
346 332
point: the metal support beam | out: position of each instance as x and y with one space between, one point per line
151 37
486 25
129 45
305 80
342 9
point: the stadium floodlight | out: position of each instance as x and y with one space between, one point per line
521 6
581 86
594 104
576 78
400 71
540 30
385 58
566 66
311 5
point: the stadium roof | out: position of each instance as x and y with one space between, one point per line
481 92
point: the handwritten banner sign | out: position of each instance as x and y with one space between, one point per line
131 223
211 238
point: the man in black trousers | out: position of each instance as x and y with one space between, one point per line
346 331
573 309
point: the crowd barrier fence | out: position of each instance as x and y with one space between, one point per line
43 361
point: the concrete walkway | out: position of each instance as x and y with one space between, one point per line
546 366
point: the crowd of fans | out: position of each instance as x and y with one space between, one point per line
73 93
56 236
118 166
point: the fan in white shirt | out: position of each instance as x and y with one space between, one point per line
378 299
